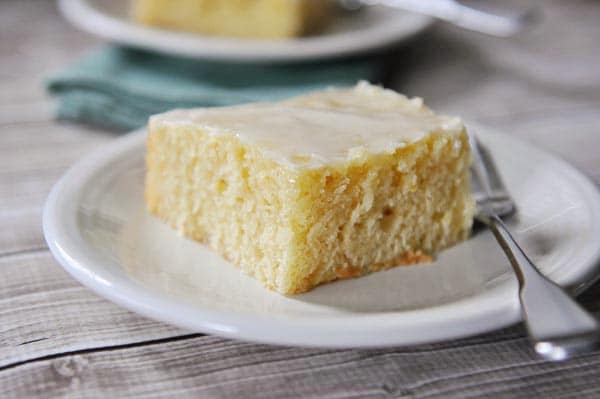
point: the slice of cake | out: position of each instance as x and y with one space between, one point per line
239 18
329 185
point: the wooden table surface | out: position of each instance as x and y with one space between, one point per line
58 339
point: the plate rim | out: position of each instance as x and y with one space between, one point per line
85 17
391 331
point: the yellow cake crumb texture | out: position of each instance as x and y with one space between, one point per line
266 19
373 180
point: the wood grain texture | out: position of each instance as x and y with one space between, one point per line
44 311
212 367
57 339
29 166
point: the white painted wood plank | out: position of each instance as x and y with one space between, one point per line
33 111
33 156
40 303
211 367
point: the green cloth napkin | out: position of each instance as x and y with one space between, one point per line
121 87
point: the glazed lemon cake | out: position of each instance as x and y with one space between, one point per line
328 185
239 18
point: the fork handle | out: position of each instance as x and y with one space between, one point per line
557 325
485 22
457 14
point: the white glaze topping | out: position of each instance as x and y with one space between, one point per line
329 126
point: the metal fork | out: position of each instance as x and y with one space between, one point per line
452 11
558 326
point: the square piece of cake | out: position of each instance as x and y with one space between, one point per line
266 19
328 185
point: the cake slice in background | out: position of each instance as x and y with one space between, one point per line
329 185
267 19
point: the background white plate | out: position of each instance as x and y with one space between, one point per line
369 29
96 225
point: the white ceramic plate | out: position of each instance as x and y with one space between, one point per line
97 227
351 33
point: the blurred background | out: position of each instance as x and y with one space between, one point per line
546 75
